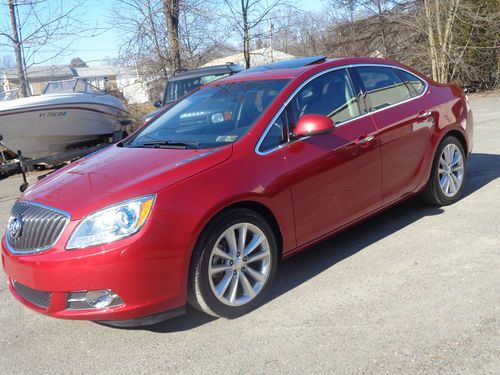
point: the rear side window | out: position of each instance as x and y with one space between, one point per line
412 81
383 86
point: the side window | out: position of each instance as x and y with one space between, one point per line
276 134
331 94
383 86
412 81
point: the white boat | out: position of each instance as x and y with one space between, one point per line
67 115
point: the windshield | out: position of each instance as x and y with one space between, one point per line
212 116
72 85
9 95
175 89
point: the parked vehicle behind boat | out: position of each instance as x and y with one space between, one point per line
186 81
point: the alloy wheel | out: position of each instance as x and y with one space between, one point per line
451 170
240 264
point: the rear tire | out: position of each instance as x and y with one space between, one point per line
233 265
446 182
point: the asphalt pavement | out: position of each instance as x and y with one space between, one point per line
414 290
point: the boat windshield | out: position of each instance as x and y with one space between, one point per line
72 85
9 95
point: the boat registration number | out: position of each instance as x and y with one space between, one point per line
52 114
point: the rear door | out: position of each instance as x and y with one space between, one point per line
334 178
405 122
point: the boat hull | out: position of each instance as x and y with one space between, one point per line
46 130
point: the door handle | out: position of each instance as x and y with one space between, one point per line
363 140
425 114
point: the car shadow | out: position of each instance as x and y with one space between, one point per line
482 169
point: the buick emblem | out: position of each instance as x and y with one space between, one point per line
16 227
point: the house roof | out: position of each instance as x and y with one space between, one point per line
61 72
50 72
258 57
98 71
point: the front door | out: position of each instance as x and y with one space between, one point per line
334 178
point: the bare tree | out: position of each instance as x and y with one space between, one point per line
381 9
440 17
77 62
142 25
150 47
145 28
293 32
345 13
171 11
40 31
17 49
247 16
203 36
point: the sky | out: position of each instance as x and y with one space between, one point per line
98 49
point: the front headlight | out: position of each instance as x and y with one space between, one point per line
112 223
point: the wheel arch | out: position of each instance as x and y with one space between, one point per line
461 138
454 132
257 207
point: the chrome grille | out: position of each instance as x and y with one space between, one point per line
36 297
33 228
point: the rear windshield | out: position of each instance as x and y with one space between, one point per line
212 116
176 89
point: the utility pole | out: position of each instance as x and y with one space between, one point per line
17 49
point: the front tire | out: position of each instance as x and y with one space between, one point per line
446 182
233 264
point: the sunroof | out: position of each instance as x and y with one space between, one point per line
287 64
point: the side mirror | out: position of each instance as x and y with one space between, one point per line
157 104
125 122
313 125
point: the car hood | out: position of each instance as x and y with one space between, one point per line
119 173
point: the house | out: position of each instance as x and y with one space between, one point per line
258 57
101 77
133 85
38 76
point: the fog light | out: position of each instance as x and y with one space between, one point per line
99 299
92 299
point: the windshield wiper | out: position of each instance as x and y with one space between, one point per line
171 144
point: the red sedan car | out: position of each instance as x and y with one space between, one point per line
200 205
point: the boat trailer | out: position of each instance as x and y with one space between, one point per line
23 165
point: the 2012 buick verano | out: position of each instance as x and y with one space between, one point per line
200 205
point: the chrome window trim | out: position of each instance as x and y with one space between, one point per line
39 249
295 92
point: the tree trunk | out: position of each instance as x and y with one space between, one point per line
439 22
17 51
447 41
171 11
382 22
432 41
246 37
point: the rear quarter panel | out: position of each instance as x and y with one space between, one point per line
452 114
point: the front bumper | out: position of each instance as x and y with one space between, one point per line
147 271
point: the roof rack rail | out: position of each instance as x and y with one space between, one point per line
298 62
